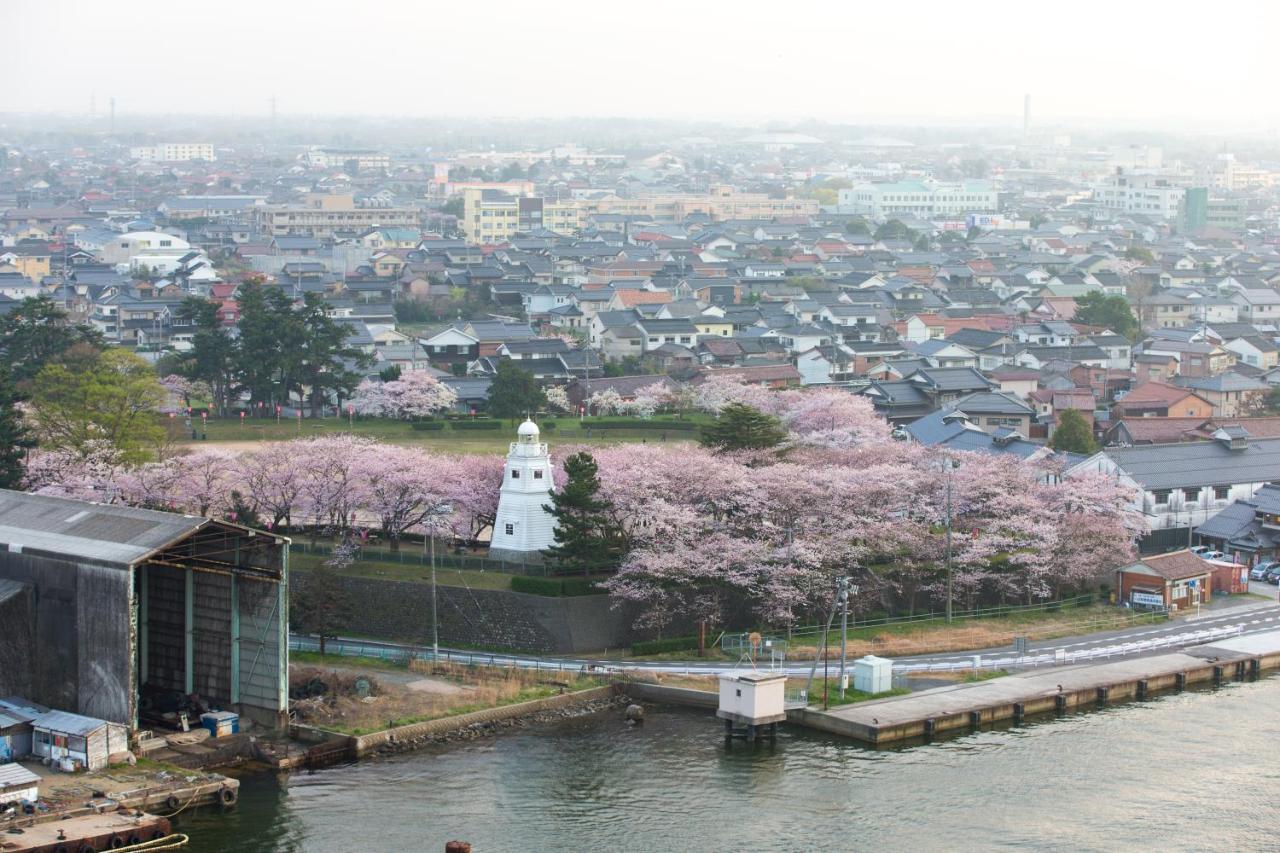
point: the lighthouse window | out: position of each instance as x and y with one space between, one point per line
511 530
537 475
515 473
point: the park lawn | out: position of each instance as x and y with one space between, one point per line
230 432
935 635
413 572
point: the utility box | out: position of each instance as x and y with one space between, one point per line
872 674
221 723
752 698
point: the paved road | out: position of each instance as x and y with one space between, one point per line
1248 616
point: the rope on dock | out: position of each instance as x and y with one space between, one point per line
169 842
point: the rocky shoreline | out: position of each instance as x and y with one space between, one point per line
396 744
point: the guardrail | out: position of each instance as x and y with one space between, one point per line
1061 656
394 654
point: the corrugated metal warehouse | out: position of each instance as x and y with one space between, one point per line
99 602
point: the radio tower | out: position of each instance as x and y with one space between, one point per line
112 126
1026 115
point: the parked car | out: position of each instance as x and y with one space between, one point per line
1201 550
1272 575
1214 555
1259 571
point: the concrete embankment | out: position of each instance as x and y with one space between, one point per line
337 746
961 706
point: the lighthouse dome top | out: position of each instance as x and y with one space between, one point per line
528 431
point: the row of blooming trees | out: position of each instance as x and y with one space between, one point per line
342 483
704 535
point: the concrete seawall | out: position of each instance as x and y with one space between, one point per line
358 746
963 706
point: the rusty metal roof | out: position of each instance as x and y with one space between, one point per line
105 534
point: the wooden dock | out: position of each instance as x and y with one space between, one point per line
965 706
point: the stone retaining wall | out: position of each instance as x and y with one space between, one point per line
672 695
487 618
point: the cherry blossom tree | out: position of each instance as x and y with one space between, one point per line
475 483
416 394
558 399
606 402
89 474
404 488
831 417
719 390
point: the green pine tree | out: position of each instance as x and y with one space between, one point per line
588 538
1073 434
14 438
514 393
741 427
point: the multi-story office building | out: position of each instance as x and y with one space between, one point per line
491 216
720 202
1149 195
172 152
351 159
924 198
325 215
1199 210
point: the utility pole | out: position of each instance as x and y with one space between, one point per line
435 613
844 628
947 461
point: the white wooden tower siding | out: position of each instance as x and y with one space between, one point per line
524 527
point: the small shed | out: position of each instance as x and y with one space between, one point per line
1177 580
73 742
15 730
752 698
17 783
872 674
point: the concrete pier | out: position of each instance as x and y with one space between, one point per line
963 706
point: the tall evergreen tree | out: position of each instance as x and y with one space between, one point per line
212 358
588 537
741 427
36 332
14 438
514 392
1073 434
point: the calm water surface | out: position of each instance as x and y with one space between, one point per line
1195 771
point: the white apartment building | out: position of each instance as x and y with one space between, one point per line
172 152
925 198
1145 194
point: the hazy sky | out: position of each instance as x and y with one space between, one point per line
849 60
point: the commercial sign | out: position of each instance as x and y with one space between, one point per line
1149 599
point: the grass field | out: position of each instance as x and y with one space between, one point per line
930 636
232 433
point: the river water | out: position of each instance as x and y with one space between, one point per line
1192 771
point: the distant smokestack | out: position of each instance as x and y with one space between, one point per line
112 128
1026 114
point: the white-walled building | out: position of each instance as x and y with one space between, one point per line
523 526
924 198
172 152
1145 194
124 248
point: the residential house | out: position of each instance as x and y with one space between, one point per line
1161 400
1231 394
1183 485
1254 350
1248 529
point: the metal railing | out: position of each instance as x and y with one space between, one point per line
1063 656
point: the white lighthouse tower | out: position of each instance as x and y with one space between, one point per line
524 526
